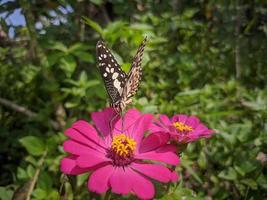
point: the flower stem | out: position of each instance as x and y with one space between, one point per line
107 195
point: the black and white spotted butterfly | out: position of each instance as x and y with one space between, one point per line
119 85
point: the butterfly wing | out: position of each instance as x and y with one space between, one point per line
114 77
135 73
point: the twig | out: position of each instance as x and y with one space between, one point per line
237 40
30 22
17 107
25 111
36 175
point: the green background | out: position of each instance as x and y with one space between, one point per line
204 58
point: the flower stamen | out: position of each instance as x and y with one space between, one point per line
182 127
123 145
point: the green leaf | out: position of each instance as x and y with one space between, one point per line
262 181
84 56
39 193
45 181
30 171
186 164
54 57
97 2
81 179
245 167
93 25
5 193
22 174
34 145
250 182
228 174
58 46
68 65
77 47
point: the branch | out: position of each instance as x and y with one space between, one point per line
237 40
35 177
9 104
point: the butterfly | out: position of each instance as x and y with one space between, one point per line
121 87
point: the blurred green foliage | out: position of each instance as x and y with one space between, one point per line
205 58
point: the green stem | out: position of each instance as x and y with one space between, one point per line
30 22
107 195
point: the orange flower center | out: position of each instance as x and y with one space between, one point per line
123 145
182 127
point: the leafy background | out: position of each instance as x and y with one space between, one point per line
206 58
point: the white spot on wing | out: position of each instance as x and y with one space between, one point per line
112 70
107 69
99 58
112 60
117 84
100 45
105 74
115 75
109 65
104 55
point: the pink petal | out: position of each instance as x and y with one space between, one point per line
154 171
103 119
140 127
154 127
129 119
153 141
79 137
91 160
163 154
165 120
168 158
76 148
99 180
88 131
179 118
120 182
168 147
85 128
142 187
199 133
68 165
201 128
192 121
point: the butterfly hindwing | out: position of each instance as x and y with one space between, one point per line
134 76
114 77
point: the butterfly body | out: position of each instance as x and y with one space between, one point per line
119 85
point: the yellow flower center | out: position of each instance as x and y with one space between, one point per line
182 127
123 145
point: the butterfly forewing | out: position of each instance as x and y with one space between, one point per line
114 77
134 76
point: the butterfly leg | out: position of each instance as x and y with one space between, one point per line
111 122
122 122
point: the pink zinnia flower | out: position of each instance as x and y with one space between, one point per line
182 128
120 160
